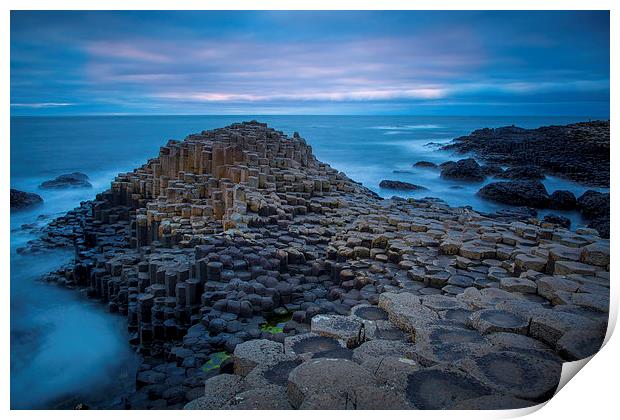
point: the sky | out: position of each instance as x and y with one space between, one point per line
310 62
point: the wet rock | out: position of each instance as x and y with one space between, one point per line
562 200
21 200
464 169
425 164
557 220
526 172
493 320
442 387
400 185
310 343
517 193
72 180
515 374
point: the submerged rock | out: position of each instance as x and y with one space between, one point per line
400 185
72 180
425 164
21 200
562 200
527 172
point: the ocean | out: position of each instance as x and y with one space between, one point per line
66 349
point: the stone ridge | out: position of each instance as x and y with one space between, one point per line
579 152
238 242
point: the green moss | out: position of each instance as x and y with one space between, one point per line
215 361
275 323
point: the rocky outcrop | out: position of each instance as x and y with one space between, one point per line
464 170
400 185
253 275
562 200
518 193
72 180
594 206
577 151
21 200
425 164
526 172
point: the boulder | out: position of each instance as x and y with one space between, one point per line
72 180
562 200
491 169
425 164
21 200
464 169
517 193
400 185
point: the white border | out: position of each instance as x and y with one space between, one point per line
593 395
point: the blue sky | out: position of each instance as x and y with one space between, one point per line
413 62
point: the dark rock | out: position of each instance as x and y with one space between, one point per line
22 200
517 193
491 170
577 151
400 185
557 220
425 164
595 206
72 180
562 200
522 172
464 169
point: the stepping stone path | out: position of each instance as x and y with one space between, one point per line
254 276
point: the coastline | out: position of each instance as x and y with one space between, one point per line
253 225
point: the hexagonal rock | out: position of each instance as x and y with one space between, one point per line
441 302
310 343
218 391
596 301
493 402
550 326
266 398
394 371
441 387
515 342
254 352
518 284
494 320
595 254
406 311
369 313
441 343
331 376
267 375
515 374
348 329
556 289
379 398
370 353
573 267
530 262
579 344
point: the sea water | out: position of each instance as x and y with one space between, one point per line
66 349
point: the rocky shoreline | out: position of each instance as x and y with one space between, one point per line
579 152
255 276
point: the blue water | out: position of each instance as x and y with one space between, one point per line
62 345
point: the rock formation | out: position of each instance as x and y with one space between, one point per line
72 180
254 276
577 151
21 200
400 185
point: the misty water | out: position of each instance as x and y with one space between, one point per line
66 349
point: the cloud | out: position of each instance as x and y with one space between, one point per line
42 105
